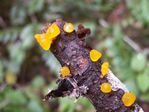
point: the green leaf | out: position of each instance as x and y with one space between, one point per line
9 34
35 6
38 82
27 36
67 105
16 97
18 14
138 62
17 55
29 92
34 106
139 9
142 81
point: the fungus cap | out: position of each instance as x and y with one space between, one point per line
65 71
68 27
106 87
104 68
53 31
43 41
128 99
95 55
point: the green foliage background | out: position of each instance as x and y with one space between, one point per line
27 72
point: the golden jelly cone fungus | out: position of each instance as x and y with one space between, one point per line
65 71
53 31
43 41
104 68
106 88
68 27
128 99
95 55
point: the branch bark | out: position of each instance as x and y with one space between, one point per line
70 49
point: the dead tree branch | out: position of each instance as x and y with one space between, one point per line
70 49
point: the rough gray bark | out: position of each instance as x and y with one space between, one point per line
70 49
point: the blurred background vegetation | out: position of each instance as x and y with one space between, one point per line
120 30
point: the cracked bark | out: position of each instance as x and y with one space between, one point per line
70 49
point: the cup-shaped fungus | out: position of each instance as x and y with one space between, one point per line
68 27
104 68
45 40
95 55
106 87
128 99
65 72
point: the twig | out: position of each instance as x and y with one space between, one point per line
85 78
117 84
132 44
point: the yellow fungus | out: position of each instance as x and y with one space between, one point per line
53 31
128 99
43 41
65 71
68 27
104 68
10 78
95 55
106 88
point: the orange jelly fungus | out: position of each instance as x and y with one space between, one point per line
68 27
53 31
128 99
106 88
104 68
65 71
95 55
43 41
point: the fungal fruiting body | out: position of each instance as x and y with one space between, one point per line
106 87
45 40
104 68
95 55
53 31
68 27
128 99
65 72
